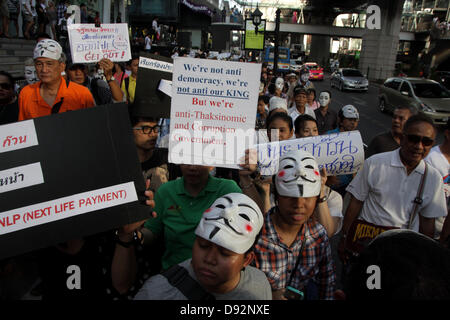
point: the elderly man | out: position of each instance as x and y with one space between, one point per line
395 190
52 94
299 106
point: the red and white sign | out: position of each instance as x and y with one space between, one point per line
17 136
213 111
89 44
62 208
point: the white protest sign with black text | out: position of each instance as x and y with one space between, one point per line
213 111
339 153
89 44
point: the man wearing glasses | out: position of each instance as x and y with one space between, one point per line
154 161
383 192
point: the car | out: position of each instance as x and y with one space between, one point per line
296 65
427 96
315 71
443 77
349 79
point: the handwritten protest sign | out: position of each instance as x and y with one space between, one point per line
213 111
90 44
339 153
154 88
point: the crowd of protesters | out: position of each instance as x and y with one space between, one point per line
235 234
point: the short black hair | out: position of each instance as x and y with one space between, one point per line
280 115
136 119
43 35
311 90
420 117
264 98
299 90
11 80
300 121
412 110
412 266
327 91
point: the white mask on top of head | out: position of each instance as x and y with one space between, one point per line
324 99
31 75
305 77
279 83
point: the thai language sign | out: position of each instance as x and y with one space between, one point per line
154 88
213 111
90 44
82 178
339 153
17 136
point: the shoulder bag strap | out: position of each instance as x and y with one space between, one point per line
300 254
179 278
418 199
57 106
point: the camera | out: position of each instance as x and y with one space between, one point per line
293 294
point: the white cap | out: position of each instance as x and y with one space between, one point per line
298 175
48 48
277 103
232 222
349 112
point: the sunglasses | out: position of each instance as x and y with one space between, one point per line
426 142
5 86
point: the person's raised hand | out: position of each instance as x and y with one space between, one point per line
249 162
107 66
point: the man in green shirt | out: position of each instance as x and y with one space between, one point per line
180 205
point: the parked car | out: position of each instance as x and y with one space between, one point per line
349 79
427 96
443 77
315 71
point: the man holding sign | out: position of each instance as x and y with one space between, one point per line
53 93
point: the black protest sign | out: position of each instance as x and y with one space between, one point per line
68 176
153 86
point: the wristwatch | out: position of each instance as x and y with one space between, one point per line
323 199
112 79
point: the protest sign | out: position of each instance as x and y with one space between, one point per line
213 111
89 44
339 153
153 90
80 176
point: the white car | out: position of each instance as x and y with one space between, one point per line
296 65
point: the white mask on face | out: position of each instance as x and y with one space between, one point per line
324 99
279 83
305 77
30 74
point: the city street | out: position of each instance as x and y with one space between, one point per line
372 120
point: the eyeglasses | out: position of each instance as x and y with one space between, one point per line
147 129
426 142
5 86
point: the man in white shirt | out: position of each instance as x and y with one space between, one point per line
148 43
439 158
299 106
384 191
